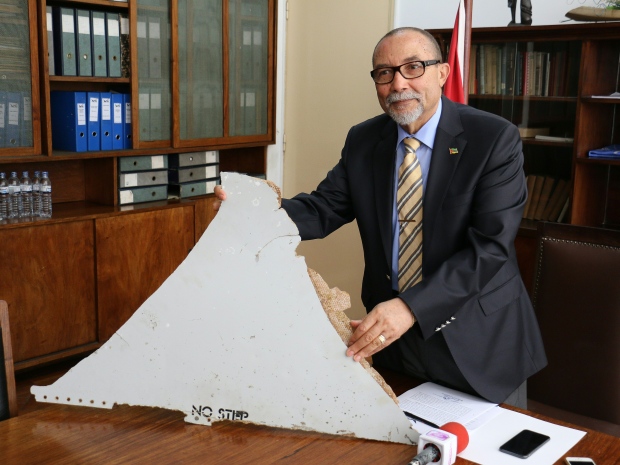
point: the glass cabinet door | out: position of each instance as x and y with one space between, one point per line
154 96
248 52
16 128
201 83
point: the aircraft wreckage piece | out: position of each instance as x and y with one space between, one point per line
238 332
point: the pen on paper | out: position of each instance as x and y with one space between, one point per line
417 418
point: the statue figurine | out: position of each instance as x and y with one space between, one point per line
526 12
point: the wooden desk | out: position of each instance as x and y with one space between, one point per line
61 434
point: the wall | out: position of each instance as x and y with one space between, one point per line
440 14
328 90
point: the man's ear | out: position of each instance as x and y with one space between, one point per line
444 72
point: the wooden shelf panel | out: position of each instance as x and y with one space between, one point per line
535 98
91 3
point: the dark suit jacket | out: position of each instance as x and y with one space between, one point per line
471 293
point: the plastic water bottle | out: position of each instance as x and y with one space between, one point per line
15 199
46 196
4 197
36 194
25 188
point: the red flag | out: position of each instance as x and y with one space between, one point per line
453 88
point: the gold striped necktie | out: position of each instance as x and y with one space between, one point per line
409 205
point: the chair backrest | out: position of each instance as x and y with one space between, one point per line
8 395
577 301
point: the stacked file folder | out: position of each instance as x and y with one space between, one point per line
90 121
84 42
142 179
15 119
195 173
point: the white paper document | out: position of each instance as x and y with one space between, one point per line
484 442
437 405
489 426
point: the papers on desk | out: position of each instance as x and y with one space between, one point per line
489 425
485 441
437 405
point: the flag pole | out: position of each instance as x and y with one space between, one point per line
468 5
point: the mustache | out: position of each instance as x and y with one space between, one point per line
405 95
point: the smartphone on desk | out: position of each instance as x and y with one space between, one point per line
524 444
579 461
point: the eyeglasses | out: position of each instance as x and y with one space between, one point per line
410 70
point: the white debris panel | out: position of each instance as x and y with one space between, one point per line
238 333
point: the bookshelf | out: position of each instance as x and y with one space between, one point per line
200 76
546 78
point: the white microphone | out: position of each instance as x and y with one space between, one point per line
440 446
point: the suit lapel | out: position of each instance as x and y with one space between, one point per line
384 157
447 150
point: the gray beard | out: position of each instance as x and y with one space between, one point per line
403 119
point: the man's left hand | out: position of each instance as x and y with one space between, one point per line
383 325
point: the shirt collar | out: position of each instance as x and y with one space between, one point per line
426 134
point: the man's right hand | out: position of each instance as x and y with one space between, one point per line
220 196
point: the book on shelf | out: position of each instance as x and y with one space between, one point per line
546 197
535 196
609 152
563 212
473 82
530 180
510 70
543 199
558 199
506 70
525 132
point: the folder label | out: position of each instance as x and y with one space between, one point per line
83 25
118 113
14 113
81 114
130 180
158 162
94 109
27 108
67 23
98 26
113 30
258 38
105 109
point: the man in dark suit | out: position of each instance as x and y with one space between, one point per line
468 324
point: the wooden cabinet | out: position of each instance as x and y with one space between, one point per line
135 255
200 75
557 79
48 280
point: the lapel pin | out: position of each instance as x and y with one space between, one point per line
454 151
